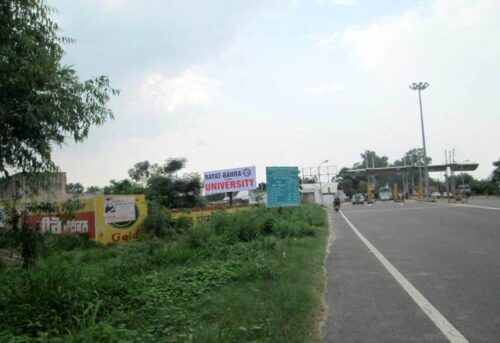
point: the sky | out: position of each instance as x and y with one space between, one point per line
283 82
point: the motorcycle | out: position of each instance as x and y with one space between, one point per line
336 208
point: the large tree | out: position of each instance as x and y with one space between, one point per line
169 190
413 157
495 176
75 188
380 161
42 102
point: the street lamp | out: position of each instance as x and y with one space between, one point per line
319 176
420 87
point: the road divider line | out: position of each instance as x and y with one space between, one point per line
478 206
437 318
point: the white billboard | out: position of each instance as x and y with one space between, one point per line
119 209
230 180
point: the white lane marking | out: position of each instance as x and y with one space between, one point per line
478 206
439 320
400 209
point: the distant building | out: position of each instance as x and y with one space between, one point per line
50 187
310 193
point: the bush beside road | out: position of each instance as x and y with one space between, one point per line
250 276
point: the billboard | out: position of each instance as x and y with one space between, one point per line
230 180
82 222
118 218
105 218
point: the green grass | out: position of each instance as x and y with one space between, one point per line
250 276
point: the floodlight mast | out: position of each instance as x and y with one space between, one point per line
420 86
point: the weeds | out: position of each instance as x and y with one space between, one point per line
249 276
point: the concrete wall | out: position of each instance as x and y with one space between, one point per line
50 187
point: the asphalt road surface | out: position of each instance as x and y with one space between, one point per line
444 284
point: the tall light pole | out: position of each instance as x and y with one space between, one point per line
420 87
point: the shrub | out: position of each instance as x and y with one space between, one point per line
196 236
159 223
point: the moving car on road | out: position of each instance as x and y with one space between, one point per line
358 199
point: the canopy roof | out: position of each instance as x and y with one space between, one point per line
397 170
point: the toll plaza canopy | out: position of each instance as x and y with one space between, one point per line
398 170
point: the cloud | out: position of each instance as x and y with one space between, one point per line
190 89
347 3
451 44
324 89
329 41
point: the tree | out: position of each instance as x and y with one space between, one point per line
350 184
167 189
495 177
380 161
93 190
124 186
142 171
74 188
42 102
413 157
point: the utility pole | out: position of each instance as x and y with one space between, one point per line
420 87
412 177
373 166
368 188
446 178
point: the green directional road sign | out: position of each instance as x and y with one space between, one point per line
282 184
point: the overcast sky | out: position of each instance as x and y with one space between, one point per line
284 83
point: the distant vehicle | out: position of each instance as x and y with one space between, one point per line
465 190
436 195
445 195
384 193
358 199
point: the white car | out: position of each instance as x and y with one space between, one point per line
358 199
436 195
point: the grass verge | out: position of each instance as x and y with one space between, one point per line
252 276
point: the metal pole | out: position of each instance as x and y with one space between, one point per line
420 87
426 172
373 166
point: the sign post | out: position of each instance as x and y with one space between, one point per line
282 186
230 180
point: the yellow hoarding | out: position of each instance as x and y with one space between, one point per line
118 218
205 215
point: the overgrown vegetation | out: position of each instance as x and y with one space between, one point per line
251 276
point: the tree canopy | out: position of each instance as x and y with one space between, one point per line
161 184
380 161
42 101
74 188
495 176
413 157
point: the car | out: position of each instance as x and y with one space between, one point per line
358 199
436 195
446 194
464 190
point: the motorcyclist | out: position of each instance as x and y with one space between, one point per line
336 203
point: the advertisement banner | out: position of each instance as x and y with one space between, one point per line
119 209
82 222
230 180
123 223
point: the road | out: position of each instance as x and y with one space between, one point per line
449 254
